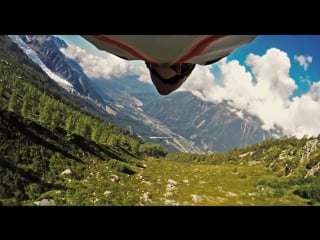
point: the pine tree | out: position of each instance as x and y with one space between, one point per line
78 125
1 88
1 92
104 137
86 128
45 114
96 132
70 123
24 109
12 104
56 118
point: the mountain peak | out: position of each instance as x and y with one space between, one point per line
44 40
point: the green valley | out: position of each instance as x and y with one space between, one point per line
54 151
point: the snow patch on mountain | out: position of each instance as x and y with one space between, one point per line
34 57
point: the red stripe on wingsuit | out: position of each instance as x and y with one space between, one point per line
125 47
199 48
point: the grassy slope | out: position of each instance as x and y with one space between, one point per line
238 181
215 184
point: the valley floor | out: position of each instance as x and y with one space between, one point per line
172 183
166 183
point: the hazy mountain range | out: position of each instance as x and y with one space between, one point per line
181 121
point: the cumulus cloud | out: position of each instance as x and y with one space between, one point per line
108 66
200 77
304 61
263 89
314 92
265 92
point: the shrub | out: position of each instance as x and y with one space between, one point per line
120 167
310 191
278 192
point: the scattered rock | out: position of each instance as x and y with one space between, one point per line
66 172
231 194
196 198
115 178
173 182
186 181
202 182
147 183
251 163
95 200
107 193
146 197
170 202
168 194
245 154
171 187
45 202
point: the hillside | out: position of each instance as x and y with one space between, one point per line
282 171
43 134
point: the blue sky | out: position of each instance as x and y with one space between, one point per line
293 45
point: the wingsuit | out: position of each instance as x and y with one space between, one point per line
170 58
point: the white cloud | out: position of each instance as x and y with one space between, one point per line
200 77
314 92
108 66
264 91
304 61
